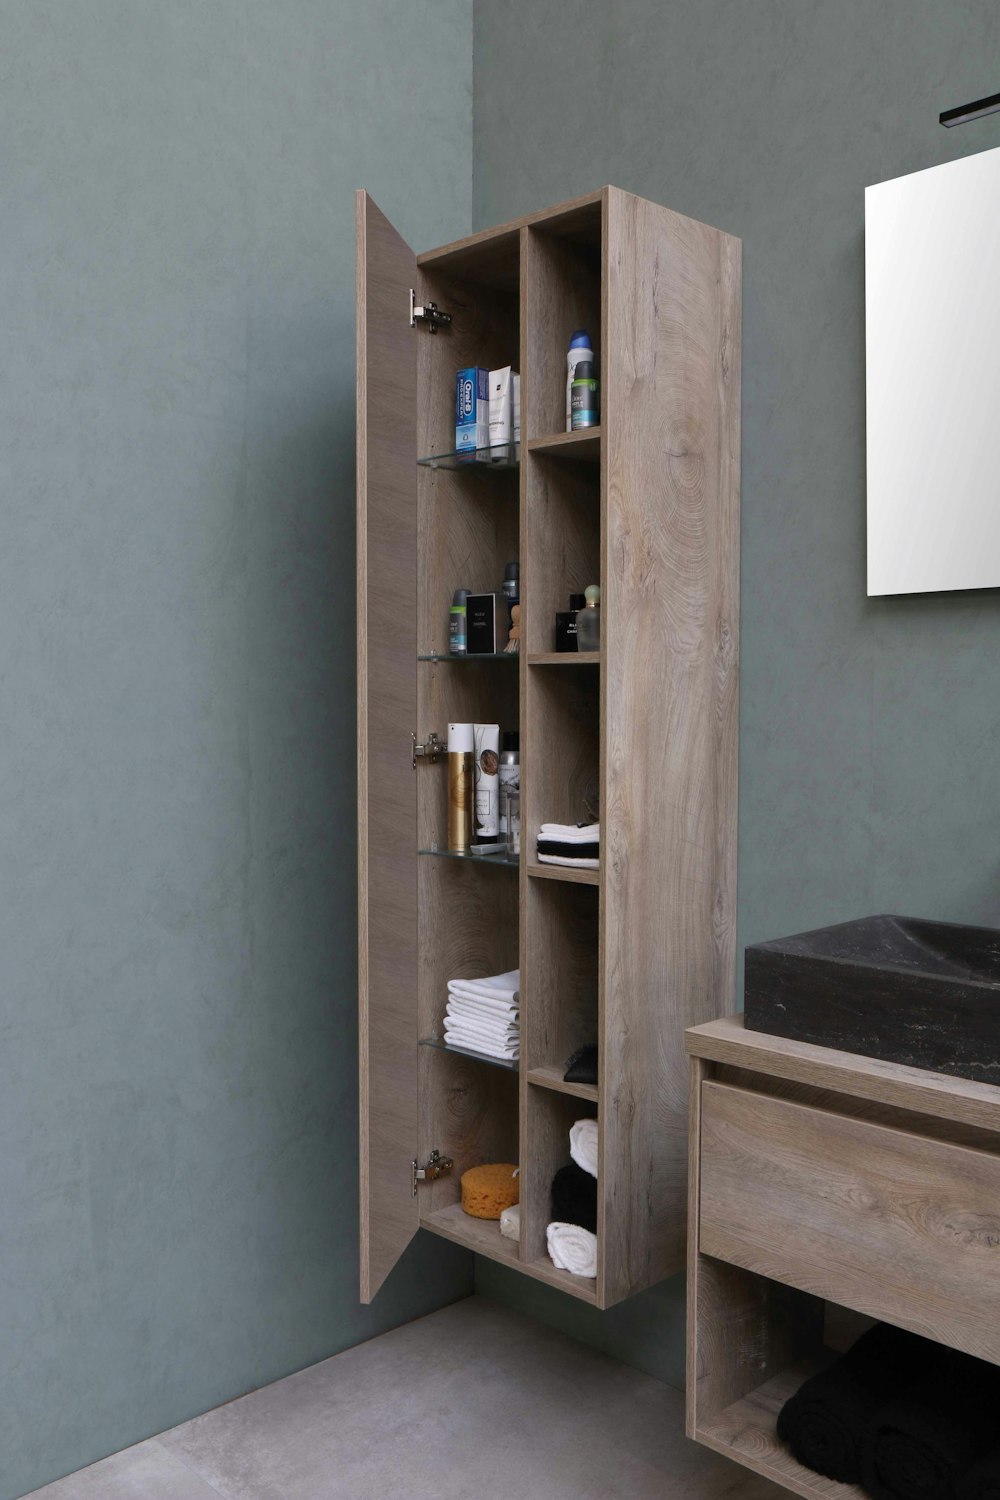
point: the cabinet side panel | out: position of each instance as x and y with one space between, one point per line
387 813
669 699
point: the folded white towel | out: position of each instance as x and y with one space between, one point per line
473 1005
488 1038
576 864
570 833
492 987
510 1222
572 1249
583 1145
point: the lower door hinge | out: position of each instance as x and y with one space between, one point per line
427 313
431 748
436 1166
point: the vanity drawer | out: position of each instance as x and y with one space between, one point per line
891 1223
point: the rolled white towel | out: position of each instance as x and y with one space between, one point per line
583 1145
572 1249
510 1222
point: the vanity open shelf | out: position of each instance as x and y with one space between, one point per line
640 735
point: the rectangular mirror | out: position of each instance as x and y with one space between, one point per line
932 299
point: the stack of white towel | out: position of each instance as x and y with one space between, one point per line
572 1248
483 1015
577 845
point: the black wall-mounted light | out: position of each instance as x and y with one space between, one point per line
973 111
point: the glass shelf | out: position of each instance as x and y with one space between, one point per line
500 456
509 862
473 656
511 1064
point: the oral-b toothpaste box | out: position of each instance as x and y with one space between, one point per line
472 410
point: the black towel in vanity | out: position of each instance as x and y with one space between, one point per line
921 1442
574 1197
982 1481
825 1422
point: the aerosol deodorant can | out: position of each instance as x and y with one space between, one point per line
461 787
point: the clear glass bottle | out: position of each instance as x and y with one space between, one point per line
588 621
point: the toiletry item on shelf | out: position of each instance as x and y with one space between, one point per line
472 411
486 623
582 1066
513 825
576 845
461 787
486 826
516 400
588 621
566 624
586 397
510 1222
511 587
574 1197
514 633
501 413
583 1145
483 1015
458 640
510 773
488 1190
579 350
572 1249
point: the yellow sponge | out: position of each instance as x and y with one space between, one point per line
488 1190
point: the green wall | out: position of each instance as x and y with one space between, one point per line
869 773
178 1078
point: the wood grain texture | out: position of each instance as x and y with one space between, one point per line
565 873
576 217
563 553
896 1226
960 1099
552 1078
669 690
563 293
564 659
560 1012
387 826
469 1111
584 445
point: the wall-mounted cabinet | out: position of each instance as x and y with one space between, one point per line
645 730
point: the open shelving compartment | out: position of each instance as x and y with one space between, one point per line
591 945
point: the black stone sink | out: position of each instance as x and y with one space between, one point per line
898 988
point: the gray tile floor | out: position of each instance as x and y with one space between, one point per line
472 1403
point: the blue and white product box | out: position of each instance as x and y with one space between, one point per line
472 410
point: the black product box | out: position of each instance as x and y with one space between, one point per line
486 624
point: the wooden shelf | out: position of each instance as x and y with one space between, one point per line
551 1078
746 1432
565 872
481 1235
584 444
582 1287
564 659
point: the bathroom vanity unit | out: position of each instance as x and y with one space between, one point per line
826 1185
646 505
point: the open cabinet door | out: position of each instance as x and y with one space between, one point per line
387 707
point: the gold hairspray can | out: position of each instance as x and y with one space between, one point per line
461 787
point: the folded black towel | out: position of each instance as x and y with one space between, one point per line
920 1443
982 1481
574 1197
582 1066
560 849
824 1423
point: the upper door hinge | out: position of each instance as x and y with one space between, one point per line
435 1167
432 747
427 313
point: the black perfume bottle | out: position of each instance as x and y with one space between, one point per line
566 624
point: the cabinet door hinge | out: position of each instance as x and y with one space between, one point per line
428 313
435 1166
431 748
